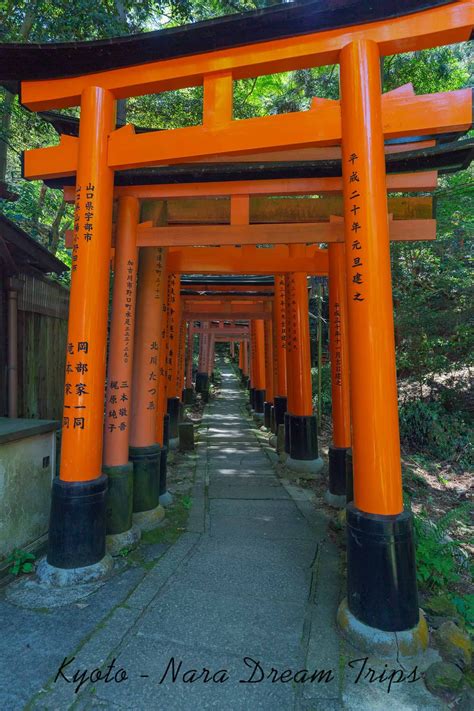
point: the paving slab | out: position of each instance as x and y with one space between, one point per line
248 592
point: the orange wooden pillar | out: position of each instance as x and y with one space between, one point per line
181 370
202 377
382 591
279 350
188 390
252 367
174 335
145 451
118 398
162 399
300 425
78 504
269 370
258 365
244 352
210 354
241 356
339 350
162 417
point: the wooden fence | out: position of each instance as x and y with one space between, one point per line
42 334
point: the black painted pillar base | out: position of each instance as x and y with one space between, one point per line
202 382
267 415
259 400
119 498
286 422
349 477
280 404
272 419
188 396
381 571
336 493
303 437
77 523
146 477
252 398
166 430
173 412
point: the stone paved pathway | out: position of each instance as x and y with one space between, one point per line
249 591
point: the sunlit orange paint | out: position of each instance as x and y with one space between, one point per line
122 323
409 116
245 357
174 333
268 336
258 354
298 356
440 25
150 296
339 347
189 355
376 447
232 260
282 186
162 399
83 418
279 335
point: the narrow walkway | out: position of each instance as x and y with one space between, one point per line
248 592
241 592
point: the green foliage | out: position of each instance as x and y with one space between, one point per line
21 562
437 565
326 399
465 607
187 502
427 426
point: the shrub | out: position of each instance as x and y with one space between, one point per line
426 425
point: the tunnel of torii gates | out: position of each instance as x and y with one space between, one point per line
335 147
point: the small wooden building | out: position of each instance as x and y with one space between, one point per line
33 327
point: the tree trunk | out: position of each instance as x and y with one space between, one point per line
6 119
55 233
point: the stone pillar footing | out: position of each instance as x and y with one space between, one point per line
166 499
173 411
259 400
304 468
77 514
267 415
129 539
380 643
381 571
336 493
146 476
148 520
52 576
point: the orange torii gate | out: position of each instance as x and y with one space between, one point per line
382 592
